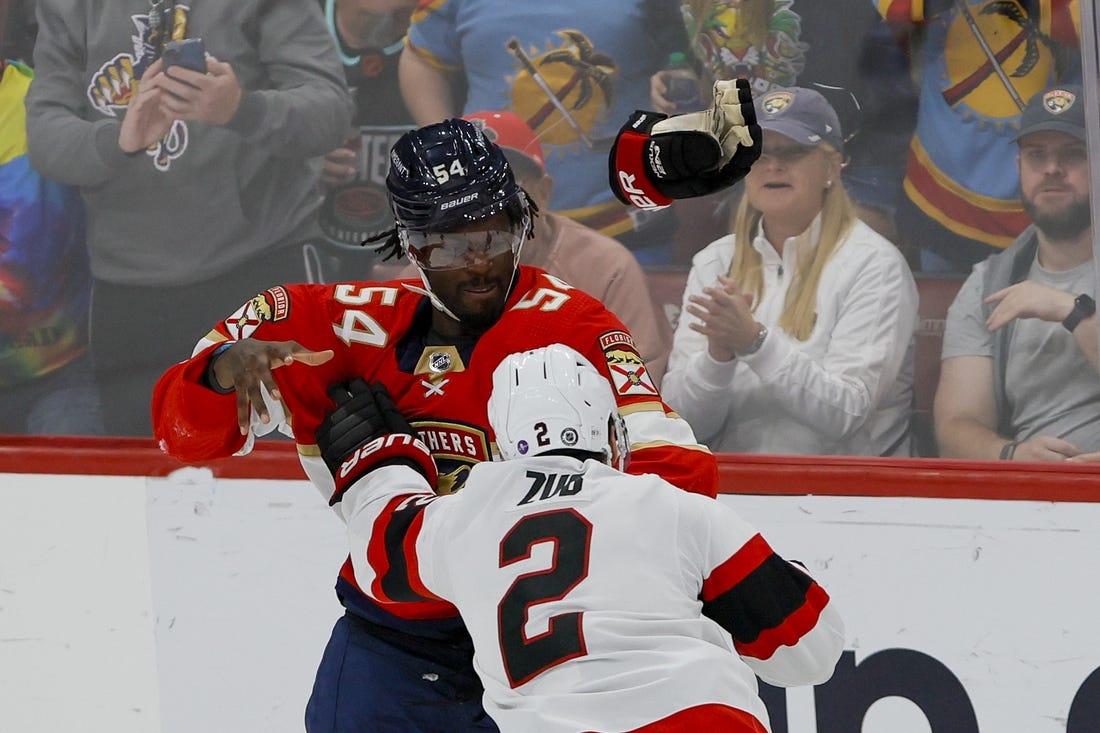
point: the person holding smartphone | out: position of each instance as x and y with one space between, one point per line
369 36
198 181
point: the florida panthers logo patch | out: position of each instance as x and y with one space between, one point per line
1057 101
629 375
270 305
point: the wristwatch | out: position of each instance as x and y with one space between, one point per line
1083 307
756 343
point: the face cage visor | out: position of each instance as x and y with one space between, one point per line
435 251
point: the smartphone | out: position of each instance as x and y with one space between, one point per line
684 93
190 53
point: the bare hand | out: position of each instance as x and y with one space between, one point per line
339 167
1028 299
213 97
146 120
658 88
1045 448
1093 457
248 363
727 320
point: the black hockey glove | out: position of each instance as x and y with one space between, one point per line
657 159
366 431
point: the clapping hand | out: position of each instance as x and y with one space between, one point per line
725 312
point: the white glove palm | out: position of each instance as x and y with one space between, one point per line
725 120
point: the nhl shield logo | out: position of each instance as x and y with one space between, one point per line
439 362
1057 101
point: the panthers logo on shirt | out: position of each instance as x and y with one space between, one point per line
113 86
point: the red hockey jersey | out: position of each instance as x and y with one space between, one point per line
377 331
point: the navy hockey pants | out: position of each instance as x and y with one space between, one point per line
374 680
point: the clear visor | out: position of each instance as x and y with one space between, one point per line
453 250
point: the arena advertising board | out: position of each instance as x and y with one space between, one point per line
192 603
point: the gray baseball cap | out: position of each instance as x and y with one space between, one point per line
1060 108
801 114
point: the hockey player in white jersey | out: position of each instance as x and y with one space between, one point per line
596 600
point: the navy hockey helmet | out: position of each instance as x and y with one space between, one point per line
448 174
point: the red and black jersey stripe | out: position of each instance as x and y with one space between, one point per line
391 553
762 600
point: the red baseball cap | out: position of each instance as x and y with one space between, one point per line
508 130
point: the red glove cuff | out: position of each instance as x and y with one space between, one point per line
628 170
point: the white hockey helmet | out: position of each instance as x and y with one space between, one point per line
554 399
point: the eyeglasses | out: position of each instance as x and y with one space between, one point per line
454 250
1067 156
787 154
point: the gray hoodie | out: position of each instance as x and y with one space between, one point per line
206 197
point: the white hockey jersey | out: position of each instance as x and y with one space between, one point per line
596 600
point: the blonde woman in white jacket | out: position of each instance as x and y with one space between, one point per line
796 334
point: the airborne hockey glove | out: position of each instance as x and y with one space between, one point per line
366 431
657 159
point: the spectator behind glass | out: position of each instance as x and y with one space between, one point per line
197 185
857 64
46 386
1020 362
797 329
961 200
17 37
678 608
593 65
368 37
582 257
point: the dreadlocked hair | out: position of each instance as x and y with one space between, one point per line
391 244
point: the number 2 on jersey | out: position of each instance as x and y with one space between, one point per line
526 657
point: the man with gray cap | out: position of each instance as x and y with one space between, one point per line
1020 360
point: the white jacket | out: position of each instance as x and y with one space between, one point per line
846 390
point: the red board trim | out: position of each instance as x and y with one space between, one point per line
739 474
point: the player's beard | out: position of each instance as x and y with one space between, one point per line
481 319
476 315
1061 224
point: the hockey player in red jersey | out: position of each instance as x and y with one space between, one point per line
597 601
434 343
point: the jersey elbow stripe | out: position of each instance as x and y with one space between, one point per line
394 534
799 623
737 568
762 600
